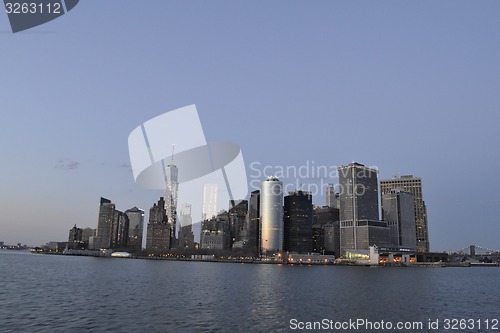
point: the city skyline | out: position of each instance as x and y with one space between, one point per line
290 224
418 91
286 224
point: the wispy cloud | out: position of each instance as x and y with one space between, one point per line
67 164
125 166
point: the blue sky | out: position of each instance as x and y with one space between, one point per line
409 87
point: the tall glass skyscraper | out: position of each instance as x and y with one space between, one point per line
119 230
413 185
298 222
253 227
171 188
332 198
398 210
186 236
271 216
209 208
237 214
136 227
358 188
360 226
102 239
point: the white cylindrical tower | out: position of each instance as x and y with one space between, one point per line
271 216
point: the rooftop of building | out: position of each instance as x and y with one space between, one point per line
300 192
397 191
134 210
401 178
357 165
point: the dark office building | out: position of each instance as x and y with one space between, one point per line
298 222
135 228
215 233
318 239
324 215
186 238
326 231
75 239
119 230
253 222
331 238
237 217
159 230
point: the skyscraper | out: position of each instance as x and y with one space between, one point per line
253 222
413 185
119 230
237 217
209 208
271 216
332 197
326 230
159 230
358 193
298 222
86 234
102 239
186 236
136 226
360 226
75 238
215 234
331 238
171 189
318 238
398 210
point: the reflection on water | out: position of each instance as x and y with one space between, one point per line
44 293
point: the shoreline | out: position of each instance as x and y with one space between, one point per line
271 261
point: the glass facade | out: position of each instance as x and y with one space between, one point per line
271 216
399 213
172 185
253 228
135 229
104 224
298 221
359 209
412 185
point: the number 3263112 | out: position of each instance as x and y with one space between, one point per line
32 8
471 324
